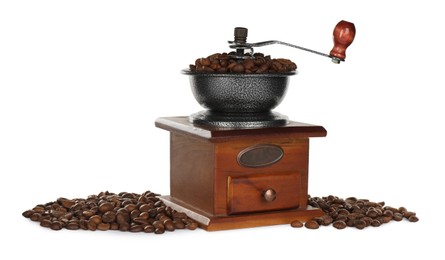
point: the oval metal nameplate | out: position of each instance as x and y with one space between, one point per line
260 155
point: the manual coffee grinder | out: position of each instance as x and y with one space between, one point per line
238 164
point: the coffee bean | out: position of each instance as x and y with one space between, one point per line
338 224
158 224
96 219
28 213
360 224
375 223
408 214
72 225
88 213
238 68
159 230
103 226
36 216
66 203
402 210
144 215
397 216
136 228
134 213
39 209
124 227
192 226
296 224
168 224
413 218
114 226
311 224
106 206
56 225
122 217
83 224
109 217
45 223
178 224
141 221
145 207
92 225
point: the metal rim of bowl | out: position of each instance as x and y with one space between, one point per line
239 75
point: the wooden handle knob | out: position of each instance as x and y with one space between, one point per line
344 33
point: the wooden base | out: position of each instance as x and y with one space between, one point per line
214 223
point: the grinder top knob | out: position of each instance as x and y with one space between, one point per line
344 33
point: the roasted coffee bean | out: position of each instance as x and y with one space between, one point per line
413 218
397 216
360 224
159 231
114 226
36 216
141 221
338 224
168 224
72 225
179 224
106 206
83 224
56 225
122 217
375 223
39 209
88 213
134 213
66 203
192 226
144 215
124 227
92 225
109 217
145 207
45 223
103 226
408 214
149 229
296 224
56 213
136 228
312 224
28 213
96 219
389 213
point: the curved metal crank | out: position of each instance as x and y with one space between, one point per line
344 33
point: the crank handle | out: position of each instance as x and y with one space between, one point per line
344 33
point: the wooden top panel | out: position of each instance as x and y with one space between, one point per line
182 125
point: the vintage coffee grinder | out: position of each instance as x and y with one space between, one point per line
238 164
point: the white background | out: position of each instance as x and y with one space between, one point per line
81 83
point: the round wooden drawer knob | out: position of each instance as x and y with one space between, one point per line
270 195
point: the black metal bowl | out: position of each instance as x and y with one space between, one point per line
239 93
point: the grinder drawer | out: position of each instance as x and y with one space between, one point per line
263 192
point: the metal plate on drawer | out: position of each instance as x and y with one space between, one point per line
260 155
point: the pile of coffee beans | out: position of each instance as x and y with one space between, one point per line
147 213
353 212
226 63
109 211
